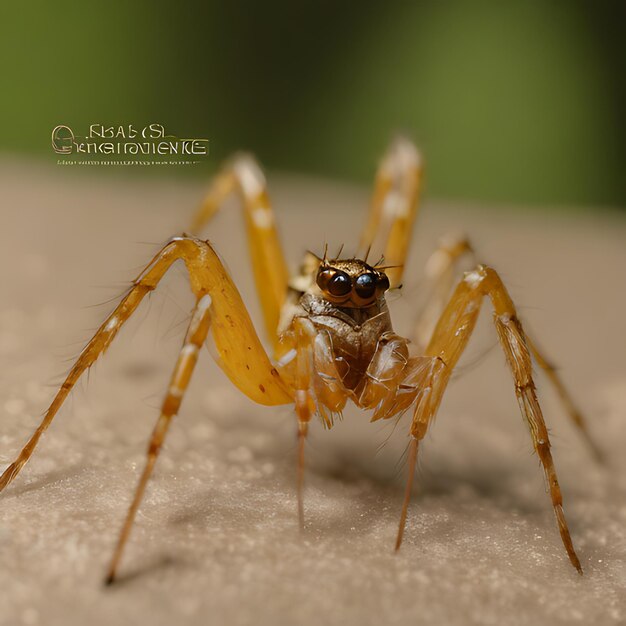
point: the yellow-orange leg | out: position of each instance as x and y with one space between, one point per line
566 399
187 359
394 206
411 462
305 405
441 269
241 354
243 175
440 276
446 346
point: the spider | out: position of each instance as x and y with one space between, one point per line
330 329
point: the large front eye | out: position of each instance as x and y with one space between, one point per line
334 282
366 286
339 285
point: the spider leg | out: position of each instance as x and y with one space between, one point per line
446 346
566 399
187 359
303 340
394 206
241 354
309 366
305 403
243 175
441 271
442 268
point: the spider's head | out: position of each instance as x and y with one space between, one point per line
351 283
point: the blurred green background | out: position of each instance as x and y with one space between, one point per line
520 101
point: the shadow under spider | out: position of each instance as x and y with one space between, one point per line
45 480
150 566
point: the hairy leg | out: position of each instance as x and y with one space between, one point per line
310 366
442 270
441 274
566 399
187 359
243 176
242 356
305 403
446 346
394 206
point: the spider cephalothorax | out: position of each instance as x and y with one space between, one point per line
345 307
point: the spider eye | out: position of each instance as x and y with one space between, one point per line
366 286
383 282
334 282
339 285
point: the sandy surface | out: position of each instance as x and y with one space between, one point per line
216 540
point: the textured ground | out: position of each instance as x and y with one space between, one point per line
216 540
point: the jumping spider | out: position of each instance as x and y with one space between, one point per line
330 329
